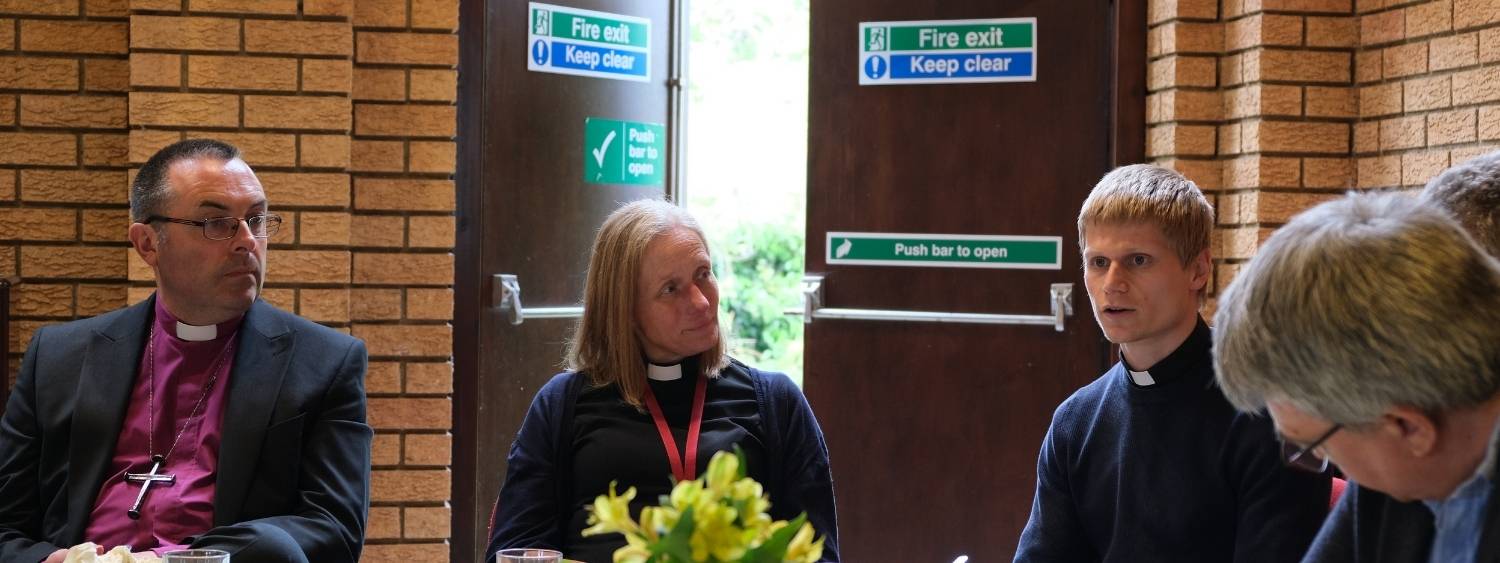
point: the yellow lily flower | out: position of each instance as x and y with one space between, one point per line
611 513
802 549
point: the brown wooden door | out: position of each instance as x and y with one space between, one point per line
525 209
933 429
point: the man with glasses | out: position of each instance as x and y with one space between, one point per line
1150 462
201 417
1369 327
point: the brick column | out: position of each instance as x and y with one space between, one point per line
63 203
403 154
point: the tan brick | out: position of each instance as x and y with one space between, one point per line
434 14
1331 102
105 225
193 110
1299 66
323 228
1337 31
428 449
1279 207
440 156
432 232
411 414
386 450
1261 30
1489 123
1291 136
95 112
1451 127
377 231
135 295
107 8
1427 93
1384 27
308 266
258 149
369 304
97 299
306 189
137 269
1335 173
1405 60
7 193
385 523
1231 138
106 75
74 186
1403 132
72 262
1475 86
405 120
61 36
1429 18
434 85
403 269
384 84
377 156
1367 66
298 37
429 377
410 485
373 47
39 73
1453 52
242 73
7 260
145 142
406 194
381 377
287 7
7 110
327 75
324 305
1325 6
101 149
1231 70
328 7
21 332
1178 71
398 552
38 148
406 340
429 304
1254 171
1240 242
380 13
7 34
161 5
41 300
184 33
1474 13
427 521
325 151
1489 45
38 224
40 7
155 69
1463 154
1417 167
1178 139
297 112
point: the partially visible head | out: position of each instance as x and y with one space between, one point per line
650 296
201 281
1471 192
1144 235
1374 312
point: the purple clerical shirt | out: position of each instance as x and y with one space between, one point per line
183 362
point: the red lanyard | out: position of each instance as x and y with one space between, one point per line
689 470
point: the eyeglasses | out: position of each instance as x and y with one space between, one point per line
1307 458
222 228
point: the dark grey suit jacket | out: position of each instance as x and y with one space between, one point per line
293 476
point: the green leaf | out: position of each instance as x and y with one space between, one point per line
676 546
774 549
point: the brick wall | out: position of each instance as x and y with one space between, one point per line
1273 106
345 108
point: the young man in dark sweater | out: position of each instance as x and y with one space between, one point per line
1150 462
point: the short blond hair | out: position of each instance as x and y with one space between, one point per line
606 345
1143 193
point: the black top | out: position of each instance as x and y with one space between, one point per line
614 441
1167 472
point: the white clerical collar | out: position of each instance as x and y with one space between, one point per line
1142 378
664 373
193 333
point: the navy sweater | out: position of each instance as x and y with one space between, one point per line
1167 472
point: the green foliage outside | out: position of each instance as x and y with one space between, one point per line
760 270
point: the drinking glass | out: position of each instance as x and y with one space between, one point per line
528 555
196 556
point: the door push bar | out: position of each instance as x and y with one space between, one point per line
812 309
505 292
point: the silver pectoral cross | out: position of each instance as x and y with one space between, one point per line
146 480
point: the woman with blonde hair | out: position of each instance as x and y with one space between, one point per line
650 395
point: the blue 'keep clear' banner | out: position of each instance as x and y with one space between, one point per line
961 65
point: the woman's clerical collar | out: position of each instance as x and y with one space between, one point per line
664 373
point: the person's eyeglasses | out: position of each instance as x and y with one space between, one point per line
222 228
1307 458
